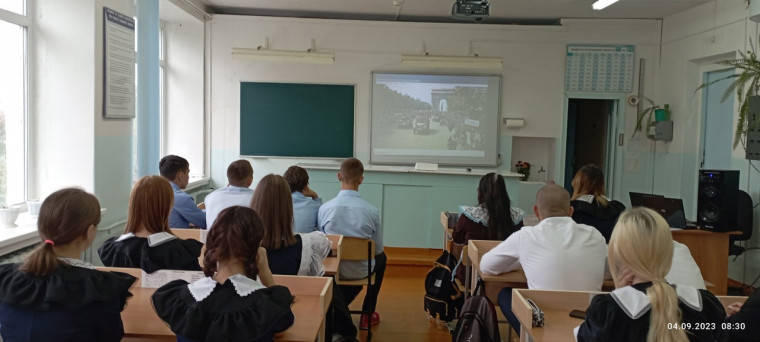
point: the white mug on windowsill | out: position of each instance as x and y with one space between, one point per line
33 207
8 217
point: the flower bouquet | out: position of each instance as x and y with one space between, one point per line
524 169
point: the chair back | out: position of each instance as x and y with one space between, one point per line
744 219
357 249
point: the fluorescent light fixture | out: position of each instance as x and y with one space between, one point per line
284 56
452 62
602 4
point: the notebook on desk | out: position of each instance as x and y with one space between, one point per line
670 208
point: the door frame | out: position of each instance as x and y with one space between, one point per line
614 152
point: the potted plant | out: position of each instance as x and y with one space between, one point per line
652 113
523 168
746 84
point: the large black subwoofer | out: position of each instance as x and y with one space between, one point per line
716 199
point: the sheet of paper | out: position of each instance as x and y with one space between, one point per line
161 277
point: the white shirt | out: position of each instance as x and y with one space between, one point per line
684 270
556 254
224 198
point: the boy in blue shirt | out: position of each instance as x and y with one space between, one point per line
184 212
351 215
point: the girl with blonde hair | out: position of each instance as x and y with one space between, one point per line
644 307
147 242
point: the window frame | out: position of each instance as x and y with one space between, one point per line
24 21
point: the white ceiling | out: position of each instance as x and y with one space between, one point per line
502 11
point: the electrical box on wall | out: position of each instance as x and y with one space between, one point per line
753 135
661 130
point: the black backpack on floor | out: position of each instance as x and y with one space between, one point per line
443 299
478 322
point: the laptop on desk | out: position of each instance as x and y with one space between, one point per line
637 198
670 208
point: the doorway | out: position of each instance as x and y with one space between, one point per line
717 128
589 132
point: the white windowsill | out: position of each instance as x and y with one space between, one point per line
197 183
23 235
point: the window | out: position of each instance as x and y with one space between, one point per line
15 6
12 102
181 82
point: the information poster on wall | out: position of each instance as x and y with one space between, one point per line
118 65
599 68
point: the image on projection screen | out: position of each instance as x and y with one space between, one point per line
444 119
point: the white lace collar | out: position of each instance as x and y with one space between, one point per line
153 239
636 303
589 198
479 214
77 263
202 288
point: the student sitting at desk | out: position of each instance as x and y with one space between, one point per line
590 206
741 324
237 191
492 219
54 296
296 254
644 307
184 211
230 304
147 242
288 253
349 214
556 254
306 202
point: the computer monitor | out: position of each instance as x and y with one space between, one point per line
637 198
670 208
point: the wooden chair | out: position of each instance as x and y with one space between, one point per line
356 249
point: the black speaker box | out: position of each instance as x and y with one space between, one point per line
716 200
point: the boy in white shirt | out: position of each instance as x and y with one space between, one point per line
556 254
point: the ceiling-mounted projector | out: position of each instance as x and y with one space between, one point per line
470 10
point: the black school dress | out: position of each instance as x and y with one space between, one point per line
586 210
623 315
241 309
156 252
74 303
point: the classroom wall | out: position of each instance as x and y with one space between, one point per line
70 143
532 77
692 41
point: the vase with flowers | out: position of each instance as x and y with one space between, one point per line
523 168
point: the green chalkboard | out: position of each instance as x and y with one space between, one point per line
296 120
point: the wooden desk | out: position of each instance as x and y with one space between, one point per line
556 305
335 242
190 233
710 251
494 283
313 297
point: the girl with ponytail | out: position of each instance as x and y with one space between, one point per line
644 307
493 218
237 300
53 295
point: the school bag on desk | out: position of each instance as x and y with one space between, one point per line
478 322
443 299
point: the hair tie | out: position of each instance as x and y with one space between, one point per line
50 242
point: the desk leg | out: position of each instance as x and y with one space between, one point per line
524 336
467 281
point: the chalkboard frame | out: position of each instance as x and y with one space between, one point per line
294 132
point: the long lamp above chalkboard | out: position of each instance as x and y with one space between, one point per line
307 57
